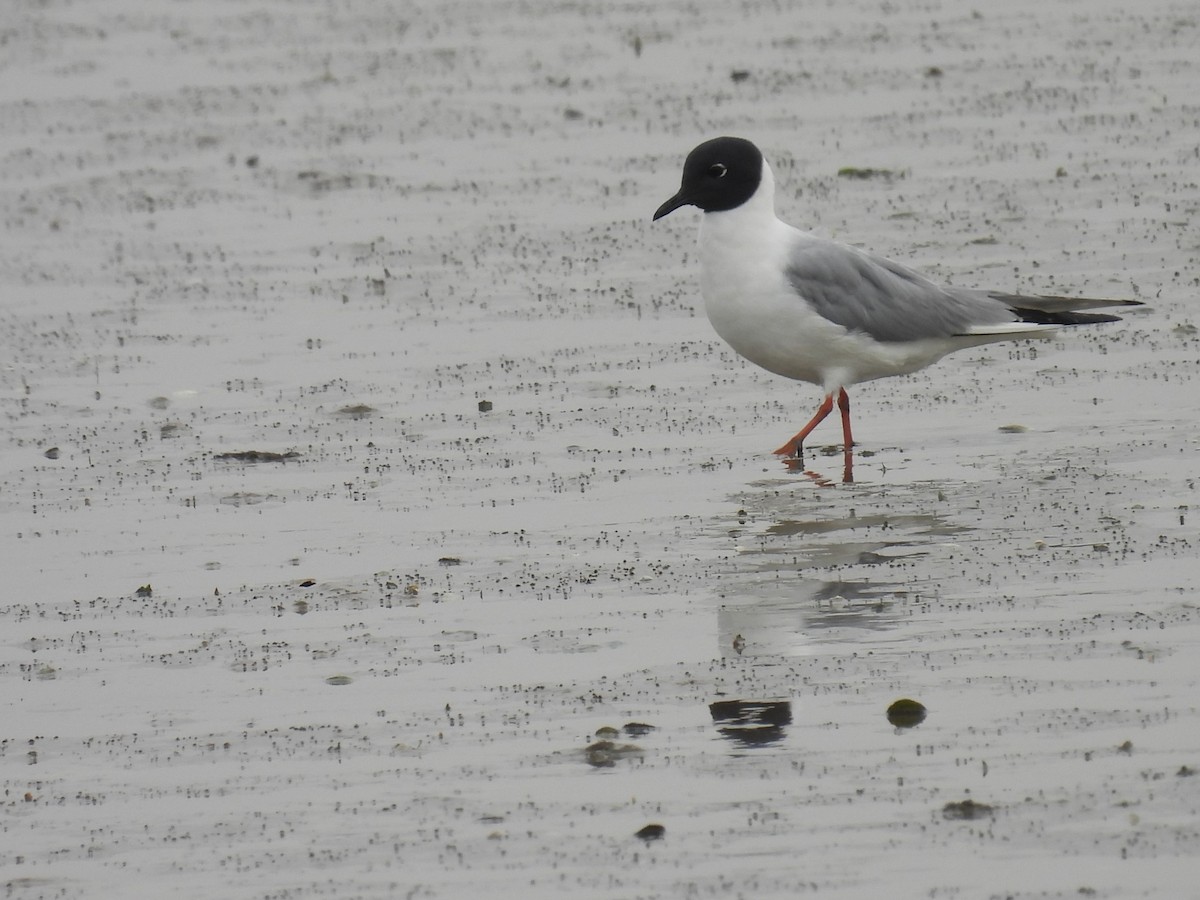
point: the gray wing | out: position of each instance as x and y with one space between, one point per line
884 299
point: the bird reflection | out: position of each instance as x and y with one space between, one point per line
752 723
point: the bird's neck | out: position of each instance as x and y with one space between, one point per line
748 238
753 221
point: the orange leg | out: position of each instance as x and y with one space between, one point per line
847 437
844 406
795 445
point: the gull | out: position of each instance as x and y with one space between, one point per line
827 313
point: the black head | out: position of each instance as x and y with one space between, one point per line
718 175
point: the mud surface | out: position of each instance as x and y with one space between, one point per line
382 518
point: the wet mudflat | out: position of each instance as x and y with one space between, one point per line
371 478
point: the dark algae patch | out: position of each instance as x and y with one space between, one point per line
906 713
965 810
256 456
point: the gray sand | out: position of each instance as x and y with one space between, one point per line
371 664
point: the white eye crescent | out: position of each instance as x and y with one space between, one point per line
717 170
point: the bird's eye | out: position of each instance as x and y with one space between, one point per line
717 170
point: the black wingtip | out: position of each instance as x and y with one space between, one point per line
1067 317
1048 309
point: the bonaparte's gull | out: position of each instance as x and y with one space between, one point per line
828 313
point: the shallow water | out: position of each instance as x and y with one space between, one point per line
372 665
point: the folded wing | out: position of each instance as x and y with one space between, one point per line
892 303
